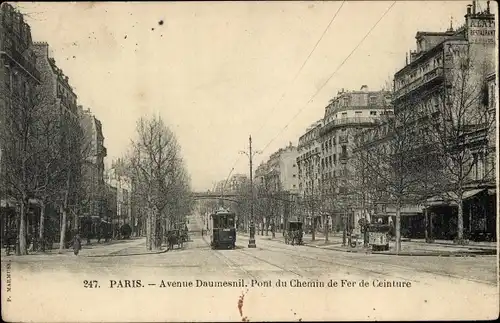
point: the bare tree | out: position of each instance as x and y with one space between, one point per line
460 125
47 162
21 130
74 149
392 165
157 168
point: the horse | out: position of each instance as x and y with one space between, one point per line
173 239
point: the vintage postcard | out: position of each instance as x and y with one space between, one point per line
249 161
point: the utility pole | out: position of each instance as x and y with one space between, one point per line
250 154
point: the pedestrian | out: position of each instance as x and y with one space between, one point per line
77 244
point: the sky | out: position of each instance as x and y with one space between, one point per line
217 72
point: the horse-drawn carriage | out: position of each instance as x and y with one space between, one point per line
294 233
183 231
174 237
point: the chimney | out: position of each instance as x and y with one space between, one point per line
469 9
364 88
487 7
474 7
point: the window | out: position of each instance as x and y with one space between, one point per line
344 114
479 166
294 175
294 165
373 113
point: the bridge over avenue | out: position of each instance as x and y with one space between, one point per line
229 196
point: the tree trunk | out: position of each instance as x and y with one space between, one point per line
63 228
431 227
326 228
148 230
398 226
64 214
41 227
426 225
460 220
313 228
344 229
158 228
23 248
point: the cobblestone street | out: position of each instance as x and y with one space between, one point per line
111 265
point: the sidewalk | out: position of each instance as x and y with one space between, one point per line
408 248
131 247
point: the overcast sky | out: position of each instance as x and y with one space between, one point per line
216 71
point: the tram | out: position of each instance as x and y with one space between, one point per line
222 229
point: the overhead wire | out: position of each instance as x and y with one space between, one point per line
294 78
331 75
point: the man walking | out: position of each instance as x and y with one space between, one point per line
77 244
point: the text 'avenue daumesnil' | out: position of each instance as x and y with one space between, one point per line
249 283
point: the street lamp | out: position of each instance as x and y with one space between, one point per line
250 154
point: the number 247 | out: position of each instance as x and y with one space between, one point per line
90 284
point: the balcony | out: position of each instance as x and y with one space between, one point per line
355 121
343 157
343 139
21 61
435 74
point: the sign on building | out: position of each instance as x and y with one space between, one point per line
481 30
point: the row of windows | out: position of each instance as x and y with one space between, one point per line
18 86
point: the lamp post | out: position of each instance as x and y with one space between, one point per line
250 154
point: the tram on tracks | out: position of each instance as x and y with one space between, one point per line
222 229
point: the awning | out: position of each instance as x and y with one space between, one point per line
406 209
449 198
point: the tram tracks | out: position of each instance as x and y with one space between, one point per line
232 264
380 263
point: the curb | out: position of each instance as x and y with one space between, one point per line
437 254
411 254
338 249
129 254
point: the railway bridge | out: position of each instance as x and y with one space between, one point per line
231 197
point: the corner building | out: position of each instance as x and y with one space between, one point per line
420 85
347 114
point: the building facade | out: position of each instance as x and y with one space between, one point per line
58 93
121 184
277 184
93 165
237 183
19 79
444 100
346 115
309 172
280 171
448 81
308 159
